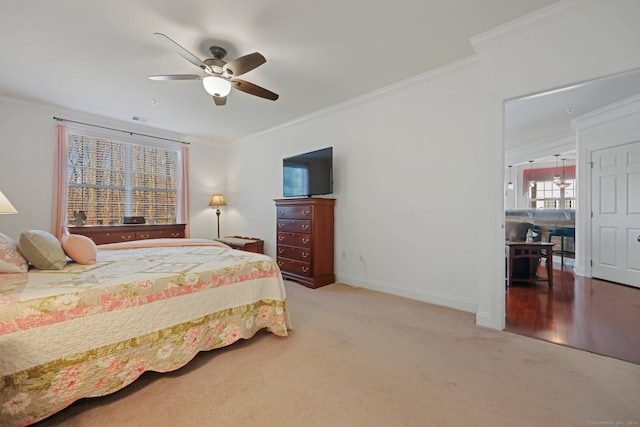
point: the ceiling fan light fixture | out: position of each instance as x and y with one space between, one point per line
216 86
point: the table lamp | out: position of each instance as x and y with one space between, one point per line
217 200
5 205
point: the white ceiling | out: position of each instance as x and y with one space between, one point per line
546 116
95 56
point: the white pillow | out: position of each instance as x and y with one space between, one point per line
11 260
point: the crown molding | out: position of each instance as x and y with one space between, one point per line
409 83
625 107
529 22
560 144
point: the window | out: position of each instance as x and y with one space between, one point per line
109 179
547 195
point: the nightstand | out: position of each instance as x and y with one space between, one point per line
249 244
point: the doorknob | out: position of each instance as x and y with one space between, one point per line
638 239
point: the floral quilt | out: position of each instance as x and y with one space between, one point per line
90 330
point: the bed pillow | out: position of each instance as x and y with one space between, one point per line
11 260
42 250
79 248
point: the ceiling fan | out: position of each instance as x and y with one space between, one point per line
219 75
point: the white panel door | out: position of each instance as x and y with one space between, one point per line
615 232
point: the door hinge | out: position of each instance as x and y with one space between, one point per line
591 165
591 263
591 214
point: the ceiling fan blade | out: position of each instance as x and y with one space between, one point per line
244 64
220 100
181 51
176 77
253 89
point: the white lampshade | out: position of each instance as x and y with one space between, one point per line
216 86
5 205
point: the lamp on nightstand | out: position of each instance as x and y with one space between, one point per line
217 200
5 205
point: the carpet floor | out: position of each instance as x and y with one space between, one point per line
362 358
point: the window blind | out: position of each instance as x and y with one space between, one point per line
110 179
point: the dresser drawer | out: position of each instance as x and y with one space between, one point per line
151 234
294 239
112 237
294 212
295 267
294 225
295 253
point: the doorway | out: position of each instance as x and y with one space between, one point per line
557 314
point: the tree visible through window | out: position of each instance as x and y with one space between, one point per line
109 179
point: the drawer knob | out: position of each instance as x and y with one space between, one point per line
175 234
280 238
305 213
305 269
280 225
305 226
281 250
305 254
280 263
305 240
145 236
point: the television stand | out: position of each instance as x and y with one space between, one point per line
248 244
305 241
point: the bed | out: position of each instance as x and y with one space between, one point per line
90 330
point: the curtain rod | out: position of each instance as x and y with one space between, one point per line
120 130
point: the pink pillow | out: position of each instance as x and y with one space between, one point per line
11 260
79 248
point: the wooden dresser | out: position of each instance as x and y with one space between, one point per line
102 234
305 240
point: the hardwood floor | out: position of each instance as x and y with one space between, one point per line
579 312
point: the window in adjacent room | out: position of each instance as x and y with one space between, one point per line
547 195
108 179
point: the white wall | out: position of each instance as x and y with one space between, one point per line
208 166
419 168
27 145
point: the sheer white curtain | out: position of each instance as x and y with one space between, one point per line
182 216
59 216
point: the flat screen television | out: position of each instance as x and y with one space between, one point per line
308 174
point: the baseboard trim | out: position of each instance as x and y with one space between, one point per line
431 297
485 319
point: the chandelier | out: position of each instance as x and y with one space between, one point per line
562 183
